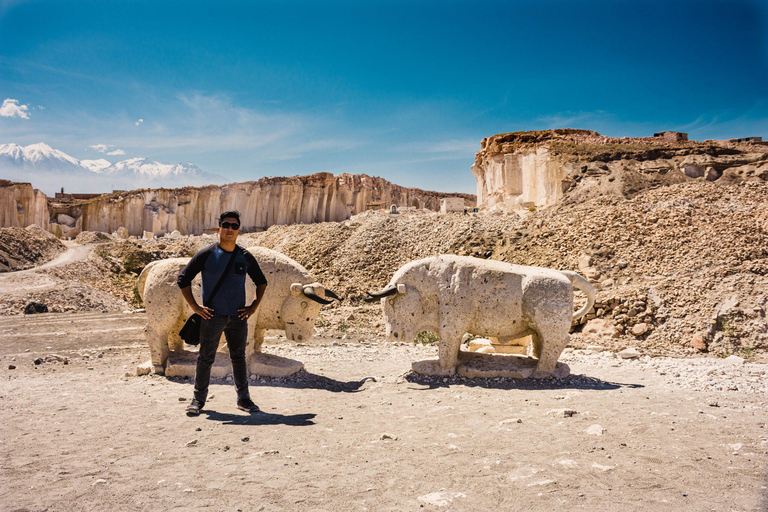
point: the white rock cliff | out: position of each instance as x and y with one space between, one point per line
520 171
21 205
320 197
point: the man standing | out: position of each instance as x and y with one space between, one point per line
227 312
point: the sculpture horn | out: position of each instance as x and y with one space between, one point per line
386 292
310 294
332 294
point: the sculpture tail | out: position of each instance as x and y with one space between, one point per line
582 284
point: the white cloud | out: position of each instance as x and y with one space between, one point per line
137 123
108 149
41 107
101 148
11 108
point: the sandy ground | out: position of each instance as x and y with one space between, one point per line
358 431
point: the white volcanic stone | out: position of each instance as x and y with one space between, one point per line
453 295
21 205
629 353
320 197
285 306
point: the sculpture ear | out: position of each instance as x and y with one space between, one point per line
401 288
296 289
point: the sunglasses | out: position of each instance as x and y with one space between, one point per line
230 225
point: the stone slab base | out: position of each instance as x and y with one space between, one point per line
479 365
431 367
181 363
270 365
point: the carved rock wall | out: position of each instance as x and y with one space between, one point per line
519 170
21 205
522 179
320 197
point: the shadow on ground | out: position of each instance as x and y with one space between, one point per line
299 380
570 382
260 418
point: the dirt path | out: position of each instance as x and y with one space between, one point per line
357 431
75 252
21 282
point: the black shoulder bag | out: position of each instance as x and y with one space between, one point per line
190 333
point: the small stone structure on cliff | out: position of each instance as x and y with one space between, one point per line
521 171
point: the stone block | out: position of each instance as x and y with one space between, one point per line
270 365
182 363
144 368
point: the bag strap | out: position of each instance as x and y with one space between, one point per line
221 279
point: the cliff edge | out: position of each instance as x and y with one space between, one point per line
521 171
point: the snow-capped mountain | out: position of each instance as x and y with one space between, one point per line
37 155
50 169
95 165
153 170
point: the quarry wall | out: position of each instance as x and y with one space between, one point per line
21 205
520 171
320 197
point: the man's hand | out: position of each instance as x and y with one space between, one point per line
245 313
203 311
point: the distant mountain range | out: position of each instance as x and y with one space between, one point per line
49 170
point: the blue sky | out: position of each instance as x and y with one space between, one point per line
404 90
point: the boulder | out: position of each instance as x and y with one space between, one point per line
121 233
699 342
629 353
35 307
600 328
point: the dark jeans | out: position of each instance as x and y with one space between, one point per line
236 332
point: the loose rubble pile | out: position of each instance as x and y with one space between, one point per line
92 237
22 248
114 266
678 269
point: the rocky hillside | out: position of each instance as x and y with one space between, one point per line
22 248
682 268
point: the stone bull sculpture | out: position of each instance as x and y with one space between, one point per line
453 295
291 303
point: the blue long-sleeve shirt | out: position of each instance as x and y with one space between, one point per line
212 261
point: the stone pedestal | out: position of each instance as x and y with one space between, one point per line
480 365
270 365
182 363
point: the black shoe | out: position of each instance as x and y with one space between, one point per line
193 409
246 404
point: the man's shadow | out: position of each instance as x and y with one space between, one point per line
260 418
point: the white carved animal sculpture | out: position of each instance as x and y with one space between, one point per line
291 303
453 295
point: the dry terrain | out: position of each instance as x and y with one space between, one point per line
359 431
681 272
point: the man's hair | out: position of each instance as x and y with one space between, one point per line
234 214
